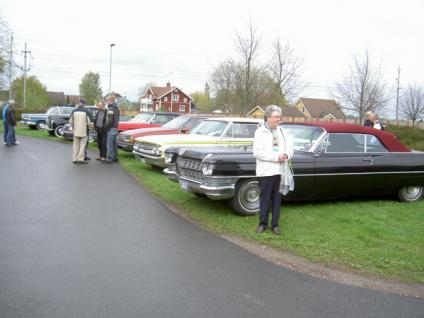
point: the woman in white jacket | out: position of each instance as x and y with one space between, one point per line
272 149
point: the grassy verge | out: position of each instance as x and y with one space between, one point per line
378 237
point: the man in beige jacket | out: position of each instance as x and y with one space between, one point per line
79 122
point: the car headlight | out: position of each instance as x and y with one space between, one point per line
131 139
207 169
156 151
168 158
136 146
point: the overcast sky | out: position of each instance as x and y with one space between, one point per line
182 41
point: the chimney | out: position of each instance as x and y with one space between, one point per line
168 85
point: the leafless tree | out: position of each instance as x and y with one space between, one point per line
363 89
285 69
412 103
222 82
247 71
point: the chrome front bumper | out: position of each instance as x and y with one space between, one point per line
215 188
155 161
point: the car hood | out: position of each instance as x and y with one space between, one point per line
141 131
126 125
177 139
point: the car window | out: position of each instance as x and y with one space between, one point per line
303 137
142 118
161 119
193 123
374 144
344 142
52 111
211 128
241 130
177 122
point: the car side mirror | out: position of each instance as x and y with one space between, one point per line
184 130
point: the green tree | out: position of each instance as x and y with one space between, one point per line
36 93
90 88
202 101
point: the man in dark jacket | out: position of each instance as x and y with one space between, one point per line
100 125
112 121
367 121
11 123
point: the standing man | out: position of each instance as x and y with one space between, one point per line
271 149
100 125
367 121
112 122
11 123
5 124
79 122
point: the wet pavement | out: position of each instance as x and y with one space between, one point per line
87 241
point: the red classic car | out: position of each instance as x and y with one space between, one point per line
181 124
147 120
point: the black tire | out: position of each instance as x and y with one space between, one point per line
58 131
32 127
51 132
199 195
411 194
246 197
39 123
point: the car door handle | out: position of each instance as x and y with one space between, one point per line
371 161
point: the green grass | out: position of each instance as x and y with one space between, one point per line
378 237
411 137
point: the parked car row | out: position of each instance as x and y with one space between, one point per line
212 157
331 161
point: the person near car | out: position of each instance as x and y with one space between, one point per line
112 121
376 122
5 125
11 123
79 122
100 125
271 149
90 116
367 121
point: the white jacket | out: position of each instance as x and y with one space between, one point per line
266 158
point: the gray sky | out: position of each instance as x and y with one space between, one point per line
182 41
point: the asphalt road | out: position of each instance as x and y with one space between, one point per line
87 241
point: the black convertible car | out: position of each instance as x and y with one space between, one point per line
331 161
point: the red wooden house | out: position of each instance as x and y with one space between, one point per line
167 99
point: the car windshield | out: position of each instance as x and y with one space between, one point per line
52 111
303 137
210 128
142 118
177 122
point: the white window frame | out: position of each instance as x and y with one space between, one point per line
185 99
175 97
182 108
165 99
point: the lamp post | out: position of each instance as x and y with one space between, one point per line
110 68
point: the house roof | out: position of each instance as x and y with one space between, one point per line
318 108
160 91
291 112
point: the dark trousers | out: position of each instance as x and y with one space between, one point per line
5 129
102 142
269 198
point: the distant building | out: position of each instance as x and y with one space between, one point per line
168 98
319 108
258 112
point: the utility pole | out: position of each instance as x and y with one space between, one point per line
10 66
25 70
397 93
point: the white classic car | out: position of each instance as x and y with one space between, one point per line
226 131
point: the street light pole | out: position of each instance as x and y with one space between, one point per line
110 68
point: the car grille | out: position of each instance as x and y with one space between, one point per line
146 148
190 168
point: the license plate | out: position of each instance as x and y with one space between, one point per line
184 185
